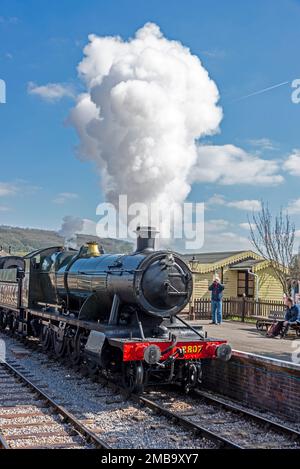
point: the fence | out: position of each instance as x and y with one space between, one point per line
243 308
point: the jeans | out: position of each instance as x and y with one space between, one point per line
285 328
216 310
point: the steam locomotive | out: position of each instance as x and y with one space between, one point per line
112 312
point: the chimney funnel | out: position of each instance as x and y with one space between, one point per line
145 238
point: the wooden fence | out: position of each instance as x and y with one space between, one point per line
243 308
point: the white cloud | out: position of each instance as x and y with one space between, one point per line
4 208
64 197
216 225
7 189
263 143
52 91
230 165
17 187
214 53
294 207
297 234
225 241
89 227
218 199
253 205
246 226
219 237
292 164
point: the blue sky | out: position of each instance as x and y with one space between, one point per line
245 46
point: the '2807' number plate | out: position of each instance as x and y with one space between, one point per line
191 348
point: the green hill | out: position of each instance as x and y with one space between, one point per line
24 240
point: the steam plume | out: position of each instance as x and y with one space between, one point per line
147 100
69 229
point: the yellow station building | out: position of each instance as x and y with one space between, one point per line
241 272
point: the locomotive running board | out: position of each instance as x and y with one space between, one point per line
73 322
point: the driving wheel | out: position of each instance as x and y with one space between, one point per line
74 348
59 344
46 338
133 376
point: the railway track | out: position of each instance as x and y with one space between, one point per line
30 419
195 427
115 393
264 422
225 424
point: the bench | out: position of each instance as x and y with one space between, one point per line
275 316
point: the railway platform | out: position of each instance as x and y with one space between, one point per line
245 337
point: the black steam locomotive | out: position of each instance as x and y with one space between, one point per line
114 312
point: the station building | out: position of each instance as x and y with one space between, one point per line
243 273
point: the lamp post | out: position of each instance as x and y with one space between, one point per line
193 262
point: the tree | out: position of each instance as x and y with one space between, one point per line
274 239
295 266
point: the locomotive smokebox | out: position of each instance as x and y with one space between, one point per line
145 238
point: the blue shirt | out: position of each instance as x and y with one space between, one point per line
216 291
293 314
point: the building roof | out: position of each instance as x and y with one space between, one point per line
236 260
212 261
247 264
210 257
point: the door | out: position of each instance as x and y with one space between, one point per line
245 284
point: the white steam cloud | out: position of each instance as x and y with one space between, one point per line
69 229
147 101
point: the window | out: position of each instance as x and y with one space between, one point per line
245 284
36 262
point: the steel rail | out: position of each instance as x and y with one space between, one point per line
3 443
248 414
186 423
89 436
195 427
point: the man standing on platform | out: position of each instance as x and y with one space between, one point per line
216 289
